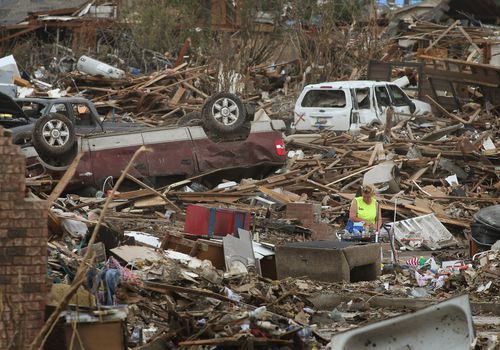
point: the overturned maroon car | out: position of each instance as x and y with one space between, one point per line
225 145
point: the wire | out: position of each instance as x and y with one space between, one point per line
104 184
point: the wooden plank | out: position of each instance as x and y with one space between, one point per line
418 174
177 96
68 175
444 111
491 80
462 223
183 51
276 178
470 40
168 202
351 174
282 198
191 87
443 34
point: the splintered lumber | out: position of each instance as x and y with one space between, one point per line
443 34
68 175
445 112
153 191
418 174
445 220
351 174
275 195
178 95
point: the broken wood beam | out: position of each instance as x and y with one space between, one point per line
153 191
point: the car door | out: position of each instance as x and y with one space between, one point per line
110 154
400 101
382 100
323 108
364 105
171 152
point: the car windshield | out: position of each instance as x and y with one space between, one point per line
31 109
324 98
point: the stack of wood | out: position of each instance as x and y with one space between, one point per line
158 99
449 41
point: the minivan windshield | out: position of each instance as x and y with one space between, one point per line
324 98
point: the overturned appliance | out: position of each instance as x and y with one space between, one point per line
486 228
385 176
447 325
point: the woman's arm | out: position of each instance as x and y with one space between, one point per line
353 212
379 217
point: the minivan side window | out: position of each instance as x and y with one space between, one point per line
324 98
363 98
382 96
82 114
398 96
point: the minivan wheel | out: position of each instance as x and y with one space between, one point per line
224 113
53 135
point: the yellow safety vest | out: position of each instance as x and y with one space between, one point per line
367 212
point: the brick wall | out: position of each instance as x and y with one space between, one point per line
23 251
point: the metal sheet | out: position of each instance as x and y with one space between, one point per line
239 251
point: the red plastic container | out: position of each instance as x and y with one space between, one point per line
206 221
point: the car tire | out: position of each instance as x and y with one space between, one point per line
375 124
190 119
224 113
53 135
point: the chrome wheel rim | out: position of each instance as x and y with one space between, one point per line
225 111
55 133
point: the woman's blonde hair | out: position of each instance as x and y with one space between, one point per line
367 190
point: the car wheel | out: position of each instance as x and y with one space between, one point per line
53 135
224 113
190 119
374 123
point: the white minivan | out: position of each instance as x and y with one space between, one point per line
342 105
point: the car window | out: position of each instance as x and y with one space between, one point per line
58 108
398 96
31 109
82 114
324 98
363 98
382 96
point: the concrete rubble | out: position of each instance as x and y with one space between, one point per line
188 212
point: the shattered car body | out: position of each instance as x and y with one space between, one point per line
175 152
341 105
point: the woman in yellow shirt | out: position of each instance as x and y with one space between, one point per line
366 209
